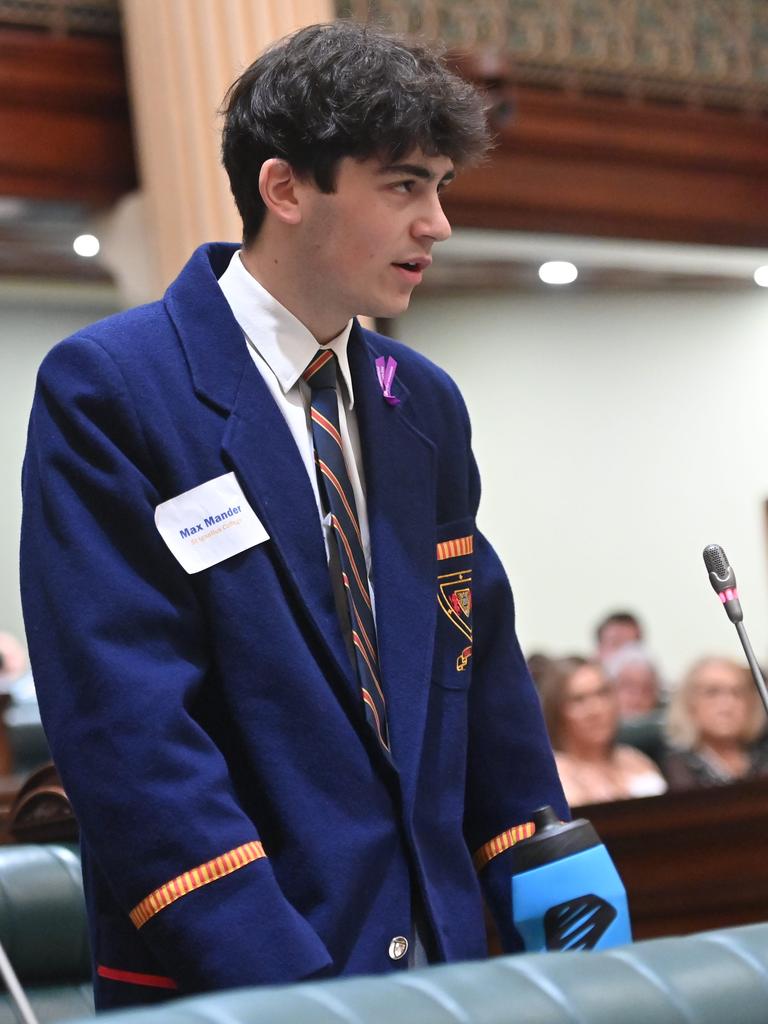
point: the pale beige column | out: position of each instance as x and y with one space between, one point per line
181 56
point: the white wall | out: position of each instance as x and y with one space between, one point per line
32 319
617 435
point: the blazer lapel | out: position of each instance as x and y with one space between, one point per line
257 442
263 454
399 463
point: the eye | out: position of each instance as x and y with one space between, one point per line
404 186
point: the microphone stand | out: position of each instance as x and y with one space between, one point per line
723 580
754 668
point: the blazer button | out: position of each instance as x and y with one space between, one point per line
398 947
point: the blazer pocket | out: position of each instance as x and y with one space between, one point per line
453 649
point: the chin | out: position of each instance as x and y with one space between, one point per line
389 310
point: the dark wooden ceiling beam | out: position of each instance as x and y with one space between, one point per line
565 162
65 129
603 165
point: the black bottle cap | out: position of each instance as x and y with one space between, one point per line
553 840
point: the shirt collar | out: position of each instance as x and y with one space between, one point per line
283 342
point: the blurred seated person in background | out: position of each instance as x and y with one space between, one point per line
714 722
639 692
638 686
537 663
582 715
614 631
13 660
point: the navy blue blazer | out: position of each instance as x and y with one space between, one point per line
239 822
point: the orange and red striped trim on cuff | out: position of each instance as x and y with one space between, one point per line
454 548
187 882
502 842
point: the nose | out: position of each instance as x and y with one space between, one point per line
433 223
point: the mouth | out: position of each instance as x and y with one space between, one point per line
413 269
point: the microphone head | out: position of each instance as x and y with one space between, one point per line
723 580
716 560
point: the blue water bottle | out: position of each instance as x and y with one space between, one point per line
566 891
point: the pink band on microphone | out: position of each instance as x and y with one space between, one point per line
729 595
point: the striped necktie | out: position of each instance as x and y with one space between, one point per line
340 502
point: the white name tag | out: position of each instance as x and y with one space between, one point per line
209 523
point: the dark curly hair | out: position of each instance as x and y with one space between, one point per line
343 89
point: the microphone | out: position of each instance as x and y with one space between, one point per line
723 580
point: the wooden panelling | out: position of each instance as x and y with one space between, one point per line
564 162
64 123
598 165
690 861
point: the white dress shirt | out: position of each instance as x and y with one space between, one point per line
282 348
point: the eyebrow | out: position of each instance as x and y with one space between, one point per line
416 171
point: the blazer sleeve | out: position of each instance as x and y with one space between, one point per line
510 766
119 655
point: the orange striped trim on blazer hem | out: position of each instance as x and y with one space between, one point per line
501 843
134 978
454 548
211 871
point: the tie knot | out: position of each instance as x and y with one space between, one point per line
321 372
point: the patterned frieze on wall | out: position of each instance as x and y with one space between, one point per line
62 17
707 52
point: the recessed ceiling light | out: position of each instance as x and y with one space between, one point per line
12 208
86 245
558 272
761 276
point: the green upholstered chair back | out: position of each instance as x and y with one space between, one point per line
43 930
711 978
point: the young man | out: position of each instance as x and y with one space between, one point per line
276 661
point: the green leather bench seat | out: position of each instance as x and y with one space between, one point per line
718 977
712 978
43 930
53 1003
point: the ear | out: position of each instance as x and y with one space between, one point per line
279 188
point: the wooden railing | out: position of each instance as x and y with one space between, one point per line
690 861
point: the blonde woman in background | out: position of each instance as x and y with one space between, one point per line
714 722
581 710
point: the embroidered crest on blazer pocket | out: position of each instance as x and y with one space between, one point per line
454 598
454 594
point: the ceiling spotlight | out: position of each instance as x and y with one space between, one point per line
761 276
558 272
86 245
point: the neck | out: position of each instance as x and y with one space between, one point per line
730 752
587 752
284 276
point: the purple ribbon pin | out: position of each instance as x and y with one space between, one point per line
385 371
